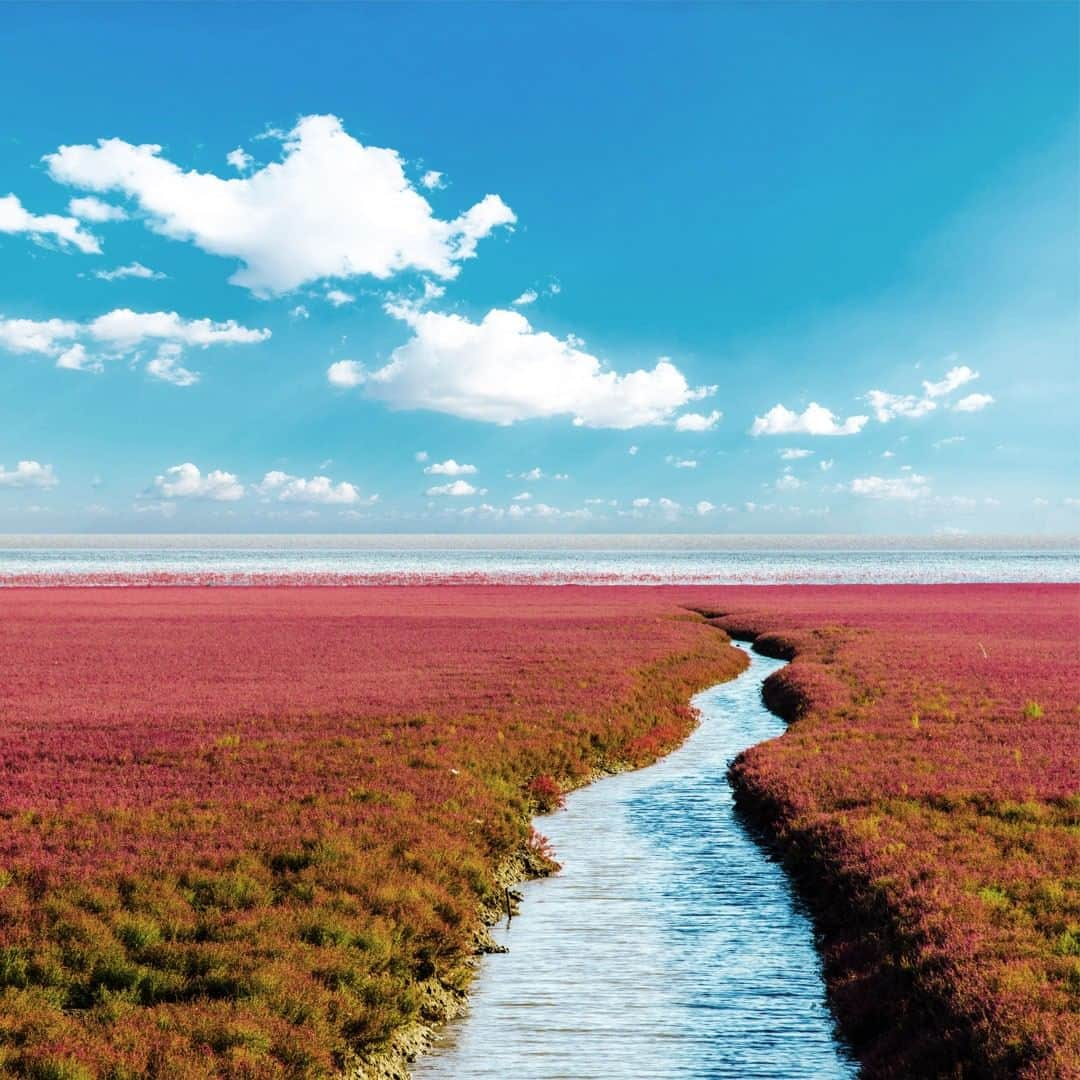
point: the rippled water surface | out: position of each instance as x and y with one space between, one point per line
668 946
718 559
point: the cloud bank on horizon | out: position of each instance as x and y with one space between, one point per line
316 269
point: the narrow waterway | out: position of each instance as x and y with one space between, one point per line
668 946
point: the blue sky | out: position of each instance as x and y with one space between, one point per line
778 268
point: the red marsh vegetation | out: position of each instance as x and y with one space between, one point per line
927 796
244 832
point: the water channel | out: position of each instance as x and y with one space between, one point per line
668 946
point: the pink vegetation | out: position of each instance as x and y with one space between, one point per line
242 827
928 796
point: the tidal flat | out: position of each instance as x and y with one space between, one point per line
256 832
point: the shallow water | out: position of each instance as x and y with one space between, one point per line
720 559
668 946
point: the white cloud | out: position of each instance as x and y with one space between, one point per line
320 490
888 454
887 406
299 312
501 370
826 465
457 488
450 467
64 230
911 486
76 358
973 403
126 329
950 441
955 377
814 420
239 159
681 463
787 482
187 482
420 455
543 510
432 179
120 333
28 474
486 510
91 209
1040 501
531 295
697 421
330 208
166 366
795 455
338 297
632 451
36 335
346 374
535 473
162 507
131 270
640 504
704 507
523 496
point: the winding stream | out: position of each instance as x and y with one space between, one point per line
668 946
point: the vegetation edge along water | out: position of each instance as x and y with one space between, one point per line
268 852
284 811
948 963
533 858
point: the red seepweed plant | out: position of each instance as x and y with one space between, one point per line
927 796
243 830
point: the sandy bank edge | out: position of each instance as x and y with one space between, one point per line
444 1003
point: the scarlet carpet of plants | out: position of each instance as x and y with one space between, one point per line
927 795
239 828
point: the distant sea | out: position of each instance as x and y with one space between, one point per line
624 559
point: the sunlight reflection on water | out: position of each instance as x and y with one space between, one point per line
600 560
